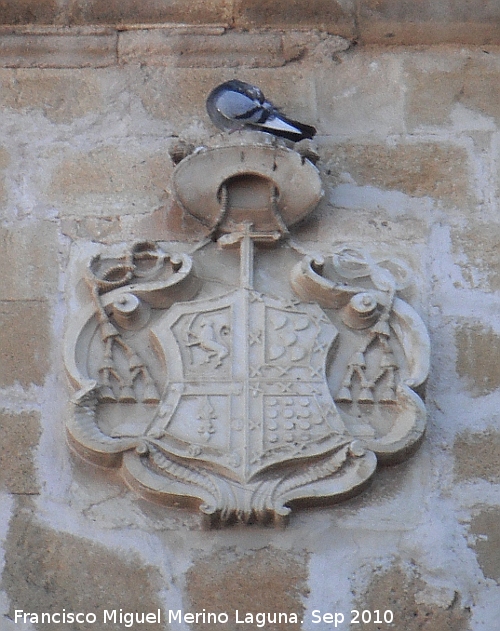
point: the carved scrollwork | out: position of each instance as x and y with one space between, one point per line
227 395
123 295
390 357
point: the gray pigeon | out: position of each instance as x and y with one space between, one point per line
238 105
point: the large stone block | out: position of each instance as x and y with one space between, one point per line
49 571
363 95
423 10
428 22
421 169
267 580
335 16
477 456
29 261
165 47
30 12
61 95
438 82
62 50
478 349
378 223
399 591
109 182
485 528
476 252
24 342
481 76
434 84
20 434
153 11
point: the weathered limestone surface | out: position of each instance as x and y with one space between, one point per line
29 261
4 162
68 51
160 47
485 530
268 580
409 146
338 16
424 169
20 434
33 89
369 21
47 570
477 349
476 456
25 344
436 88
401 589
426 21
126 179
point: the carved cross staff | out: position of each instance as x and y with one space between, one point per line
246 237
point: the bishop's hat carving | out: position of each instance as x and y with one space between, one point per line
243 377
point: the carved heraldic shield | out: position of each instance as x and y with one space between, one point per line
242 376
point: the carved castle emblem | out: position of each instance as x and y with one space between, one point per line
244 377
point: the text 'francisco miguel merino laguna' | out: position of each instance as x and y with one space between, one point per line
128 619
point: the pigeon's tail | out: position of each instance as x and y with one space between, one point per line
287 128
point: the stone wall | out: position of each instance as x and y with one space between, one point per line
409 143
369 21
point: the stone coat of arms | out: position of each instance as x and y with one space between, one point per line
243 376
